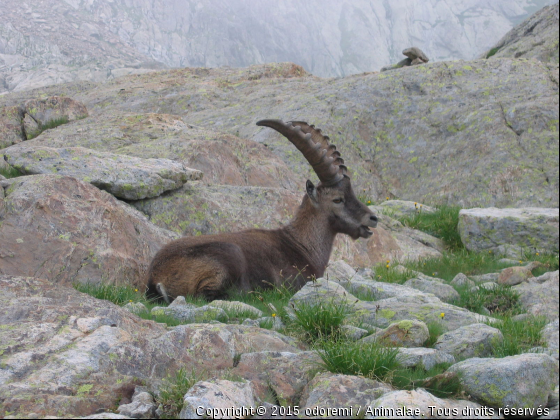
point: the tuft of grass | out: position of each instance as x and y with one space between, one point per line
119 295
434 380
443 224
173 389
492 52
501 300
10 172
519 336
388 273
435 329
319 321
50 125
371 360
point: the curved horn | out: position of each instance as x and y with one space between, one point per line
315 147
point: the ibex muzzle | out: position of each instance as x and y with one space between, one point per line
209 265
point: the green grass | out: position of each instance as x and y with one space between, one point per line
433 380
371 360
264 299
10 172
119 295
492 52
435 329
50 125
519 336
173 390
320 321
501 300
443 224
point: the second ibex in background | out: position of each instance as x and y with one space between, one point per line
208 265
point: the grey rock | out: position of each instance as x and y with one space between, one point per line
215 394
342 391
536 38
512 276
30 127
123 176
234 307
443 291
286 373
510 231
405 333
485 278
553 414
426 402
142 406
135 307
553 399
537 298
423 357
476 340
509 381
460 280
190 314
402 208
353 333
550 334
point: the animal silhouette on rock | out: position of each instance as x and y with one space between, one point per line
207 266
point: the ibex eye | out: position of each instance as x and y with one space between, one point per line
337 200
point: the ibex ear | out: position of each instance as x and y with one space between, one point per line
312 192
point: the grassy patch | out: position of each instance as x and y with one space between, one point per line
119 295
433 380
500 300
10 172
443 223
320 321
436 329
492 52
519 336
173 389
50 125
371 360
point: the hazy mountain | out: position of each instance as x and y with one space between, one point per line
50 41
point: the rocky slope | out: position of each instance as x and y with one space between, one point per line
43 42
536 38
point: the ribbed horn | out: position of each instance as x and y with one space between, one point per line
315 147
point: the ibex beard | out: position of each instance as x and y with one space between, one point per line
207 266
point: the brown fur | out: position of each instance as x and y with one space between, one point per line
208 265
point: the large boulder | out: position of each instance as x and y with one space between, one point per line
284 373
55 109
536 37
66 231
420 404
476 340
341 391
125 177
540 298
423 358
523 381
510 231
11 129
434 286
404 333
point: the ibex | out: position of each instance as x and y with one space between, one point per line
207 266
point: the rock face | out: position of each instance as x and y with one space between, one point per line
55 108
423 357
11 129
509 381
93 41
67 231
476 340
125 177
537 297
536 37
404 334
443 291
384 158
510 231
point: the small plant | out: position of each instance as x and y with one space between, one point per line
500 300
9 172
320 320
433 380
519 335
49 125
371 360
119 295
173 391
436 329
492 52
443 223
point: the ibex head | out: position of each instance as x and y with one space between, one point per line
333 196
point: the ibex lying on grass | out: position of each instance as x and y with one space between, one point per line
208 265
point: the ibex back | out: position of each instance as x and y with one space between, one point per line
209 265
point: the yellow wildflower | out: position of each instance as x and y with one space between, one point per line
442 315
